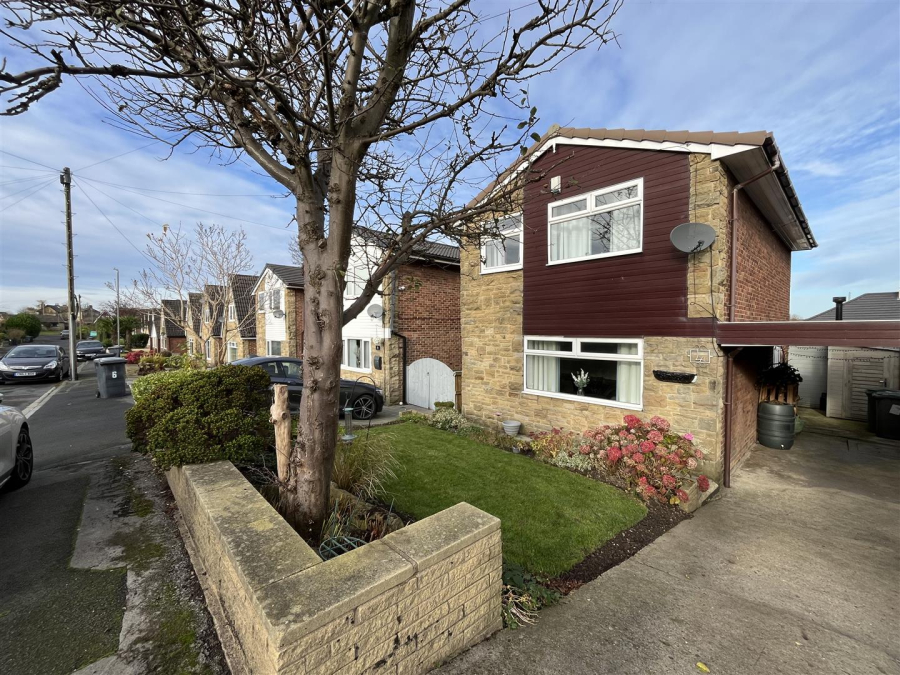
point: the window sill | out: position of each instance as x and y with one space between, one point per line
356 370
504 268
595 257
585 399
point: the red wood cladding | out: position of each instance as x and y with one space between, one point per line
621 296
810 333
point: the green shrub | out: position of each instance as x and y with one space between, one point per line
107 343
360 466
194 416
140 340
184 361
523 595
24 321
448 419
444 404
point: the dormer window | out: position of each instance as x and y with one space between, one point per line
504 254
603 223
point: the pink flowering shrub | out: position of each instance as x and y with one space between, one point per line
651 458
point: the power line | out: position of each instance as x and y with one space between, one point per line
45 176
23 168
148 218
33 191
173 192
109 159
84 192
30 161
194 208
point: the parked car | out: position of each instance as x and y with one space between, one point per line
64 334
16 453
88 350
366 399
34 362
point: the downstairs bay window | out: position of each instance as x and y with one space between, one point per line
607 371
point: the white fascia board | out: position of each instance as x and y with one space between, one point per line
261 279
714 150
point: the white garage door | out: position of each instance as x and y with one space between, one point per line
429 380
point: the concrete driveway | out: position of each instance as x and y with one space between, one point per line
796 569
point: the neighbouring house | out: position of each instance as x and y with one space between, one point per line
840 375
52 317
586 280
173 333
150 324
228 322
407 341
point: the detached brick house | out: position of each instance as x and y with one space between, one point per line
172 335
587 279
407 340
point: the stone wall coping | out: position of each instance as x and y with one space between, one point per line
291 590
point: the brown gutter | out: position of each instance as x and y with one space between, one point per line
734 221
729 416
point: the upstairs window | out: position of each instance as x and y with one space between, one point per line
206 316
232 313
505 253
261 301
601 224
275 299
356 281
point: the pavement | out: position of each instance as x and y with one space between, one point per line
795 569
93 575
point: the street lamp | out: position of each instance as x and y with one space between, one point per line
118 334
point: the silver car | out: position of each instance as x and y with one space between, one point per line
16 453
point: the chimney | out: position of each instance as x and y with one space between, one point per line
839 308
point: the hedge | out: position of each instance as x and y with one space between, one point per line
196 416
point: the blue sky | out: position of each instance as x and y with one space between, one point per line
824 77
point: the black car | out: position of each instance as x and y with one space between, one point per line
88 350
28 363
366 399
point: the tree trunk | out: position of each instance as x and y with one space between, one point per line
312 458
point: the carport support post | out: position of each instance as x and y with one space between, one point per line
281 418
729 414
66 180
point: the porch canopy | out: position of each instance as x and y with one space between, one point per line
808 333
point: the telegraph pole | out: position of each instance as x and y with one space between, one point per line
118 334
66 180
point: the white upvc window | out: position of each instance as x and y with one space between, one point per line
206 314
606 371
504 254
275 299
261 302
232 351
357 354
357 277
232 313
273 347
208 350
601 224
190 342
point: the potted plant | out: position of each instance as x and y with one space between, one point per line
581 380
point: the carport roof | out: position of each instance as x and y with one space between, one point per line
808 333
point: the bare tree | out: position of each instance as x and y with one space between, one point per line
198 272
389 113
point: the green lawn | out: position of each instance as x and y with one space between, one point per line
551 518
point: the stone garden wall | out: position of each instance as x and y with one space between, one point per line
399 605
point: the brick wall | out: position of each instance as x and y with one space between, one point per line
428 312
402 604
747 366
763 268
294 318
176 345
492 353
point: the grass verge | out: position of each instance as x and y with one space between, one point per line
552 518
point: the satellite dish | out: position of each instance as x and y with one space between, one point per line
693 237
278 314
375 311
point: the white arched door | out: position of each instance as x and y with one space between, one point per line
428 381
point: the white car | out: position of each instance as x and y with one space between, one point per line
16 454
